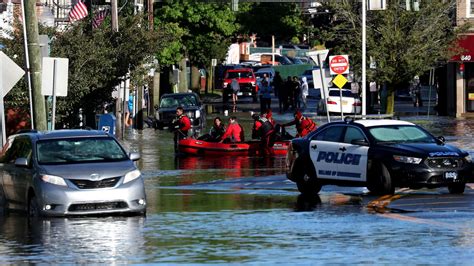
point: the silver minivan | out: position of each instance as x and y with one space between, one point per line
69 172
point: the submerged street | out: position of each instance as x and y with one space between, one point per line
244 210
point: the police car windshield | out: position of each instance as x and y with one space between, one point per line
400 134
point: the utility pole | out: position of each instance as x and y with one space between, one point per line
32 35
114 6
119 108
151 23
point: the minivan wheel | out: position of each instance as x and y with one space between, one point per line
456 188
33 208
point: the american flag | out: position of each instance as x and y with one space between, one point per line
99 18
78 12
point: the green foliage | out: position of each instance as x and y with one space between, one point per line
99 60
204 29
403 43
283 20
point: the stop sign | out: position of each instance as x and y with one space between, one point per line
339 64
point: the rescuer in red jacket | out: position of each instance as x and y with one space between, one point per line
234 132
263 129
304 125
181 125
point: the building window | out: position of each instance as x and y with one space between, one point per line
470 8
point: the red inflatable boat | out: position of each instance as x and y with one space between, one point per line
201 147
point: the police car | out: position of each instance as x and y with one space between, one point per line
379 154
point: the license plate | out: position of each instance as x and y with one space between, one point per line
239 93
451 175
344 102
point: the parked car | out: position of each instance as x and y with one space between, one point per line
381 154
295 60
192 105
266 58
70 172
351 103
247 83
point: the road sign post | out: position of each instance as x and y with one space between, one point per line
54 80
10 73
338 65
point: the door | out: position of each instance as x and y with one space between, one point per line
16 179
324 152
353 158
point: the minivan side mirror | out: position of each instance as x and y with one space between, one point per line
134 156
360 142
21 162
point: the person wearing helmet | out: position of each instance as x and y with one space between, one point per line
263 129
304 125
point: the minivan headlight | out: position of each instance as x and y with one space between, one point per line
132 175
406 159
55 180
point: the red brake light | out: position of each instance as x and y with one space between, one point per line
329 101
357 104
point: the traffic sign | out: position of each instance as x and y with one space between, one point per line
339 64
340 81
11 73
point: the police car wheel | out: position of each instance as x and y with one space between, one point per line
380 183
310 187
456 188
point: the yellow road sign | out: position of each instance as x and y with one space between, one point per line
340 81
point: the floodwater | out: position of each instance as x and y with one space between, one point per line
239 210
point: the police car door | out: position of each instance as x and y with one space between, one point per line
353 158
323 151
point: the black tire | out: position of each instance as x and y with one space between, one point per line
309 184
456 188
3 202
381 183
254 96
33 208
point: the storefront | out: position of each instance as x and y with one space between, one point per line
460 79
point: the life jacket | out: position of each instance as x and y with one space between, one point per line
242 134
266 127
307 128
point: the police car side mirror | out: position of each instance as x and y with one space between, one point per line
360 142
441 140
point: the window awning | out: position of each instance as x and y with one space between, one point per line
466 43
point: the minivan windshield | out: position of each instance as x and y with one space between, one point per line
79 150
400 134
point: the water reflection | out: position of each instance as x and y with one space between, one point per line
111 240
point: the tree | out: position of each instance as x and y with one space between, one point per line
403 43
98 61
282 20
205 29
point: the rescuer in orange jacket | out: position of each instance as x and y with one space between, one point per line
181 125
264 130
304 125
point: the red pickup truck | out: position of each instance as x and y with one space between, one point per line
247 82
